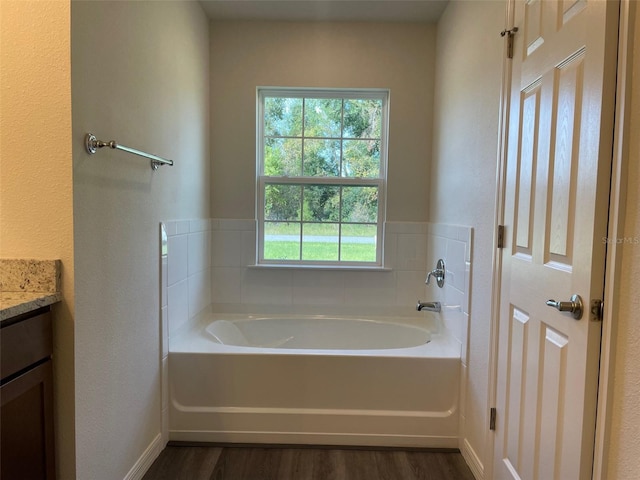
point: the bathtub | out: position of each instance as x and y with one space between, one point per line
314 380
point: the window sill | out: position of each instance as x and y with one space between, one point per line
344 268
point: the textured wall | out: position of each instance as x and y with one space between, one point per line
36 211
139 76
245 55
463 171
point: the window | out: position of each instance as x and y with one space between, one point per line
321 176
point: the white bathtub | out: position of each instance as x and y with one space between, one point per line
314 380
316 333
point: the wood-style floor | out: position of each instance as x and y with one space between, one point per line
268 463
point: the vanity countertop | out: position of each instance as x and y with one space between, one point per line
26 285
17 303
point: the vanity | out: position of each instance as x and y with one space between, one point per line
28 289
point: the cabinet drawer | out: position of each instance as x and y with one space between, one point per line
25 343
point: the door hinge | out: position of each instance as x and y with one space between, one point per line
492 418
510 34
500 236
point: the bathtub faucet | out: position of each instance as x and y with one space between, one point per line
428 306
438 272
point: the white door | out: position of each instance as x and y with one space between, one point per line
555 213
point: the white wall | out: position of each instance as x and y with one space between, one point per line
624 461
36 211
463 175
139 76
245 55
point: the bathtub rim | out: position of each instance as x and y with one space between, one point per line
192 339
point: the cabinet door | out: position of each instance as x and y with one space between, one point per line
26 424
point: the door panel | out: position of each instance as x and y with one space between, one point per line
556 173
515 413
565 126
534 25
525 177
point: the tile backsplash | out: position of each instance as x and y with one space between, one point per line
211 262
453 244
188 270
241 286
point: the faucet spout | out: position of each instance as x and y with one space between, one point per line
428 306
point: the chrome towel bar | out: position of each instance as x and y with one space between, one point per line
92 145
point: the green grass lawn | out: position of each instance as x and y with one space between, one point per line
351 252
289 249
293 228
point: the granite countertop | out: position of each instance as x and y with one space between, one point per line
26 285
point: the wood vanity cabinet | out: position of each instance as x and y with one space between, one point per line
26 397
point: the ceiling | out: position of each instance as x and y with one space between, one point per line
427 11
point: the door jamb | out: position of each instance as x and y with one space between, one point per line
615 230
503 122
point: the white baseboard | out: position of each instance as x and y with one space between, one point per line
472 460
146 459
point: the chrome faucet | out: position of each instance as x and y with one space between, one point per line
437 272
428 306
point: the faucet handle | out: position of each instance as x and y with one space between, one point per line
437 272
432 272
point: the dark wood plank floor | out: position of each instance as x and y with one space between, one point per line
258 463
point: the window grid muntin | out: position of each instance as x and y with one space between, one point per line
313 181
378 181
304 136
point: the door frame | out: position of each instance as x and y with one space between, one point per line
615 230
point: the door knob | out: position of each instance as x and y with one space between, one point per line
574 306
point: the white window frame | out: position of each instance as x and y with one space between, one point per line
379 182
